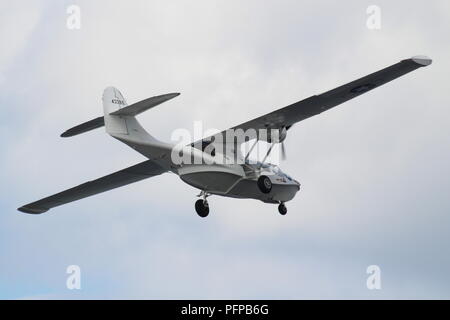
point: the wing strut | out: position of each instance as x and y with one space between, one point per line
267 154
251 149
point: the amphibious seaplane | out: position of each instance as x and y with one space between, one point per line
216 164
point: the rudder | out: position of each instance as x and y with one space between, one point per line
113 101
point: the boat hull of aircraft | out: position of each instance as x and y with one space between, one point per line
232 181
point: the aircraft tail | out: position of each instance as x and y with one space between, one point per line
113 101
119 118
120 122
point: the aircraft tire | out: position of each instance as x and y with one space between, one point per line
282 209
264 184
202 208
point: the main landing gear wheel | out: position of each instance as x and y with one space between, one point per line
282 209
264 184
202 208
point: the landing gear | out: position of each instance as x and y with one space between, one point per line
264 184
282 209
202 208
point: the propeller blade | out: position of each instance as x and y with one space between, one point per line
283 151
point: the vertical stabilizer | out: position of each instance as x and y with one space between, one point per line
120 123
114 101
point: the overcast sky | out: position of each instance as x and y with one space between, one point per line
375 171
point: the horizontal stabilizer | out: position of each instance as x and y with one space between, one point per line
131 110
84 127
144 105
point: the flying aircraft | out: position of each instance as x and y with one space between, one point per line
215 165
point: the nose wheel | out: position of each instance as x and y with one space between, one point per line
282 209
202 206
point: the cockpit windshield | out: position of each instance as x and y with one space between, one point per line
272 168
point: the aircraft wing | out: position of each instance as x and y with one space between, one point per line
118 179
299 111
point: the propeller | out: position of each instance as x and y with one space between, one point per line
278 137
283 147
283 151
